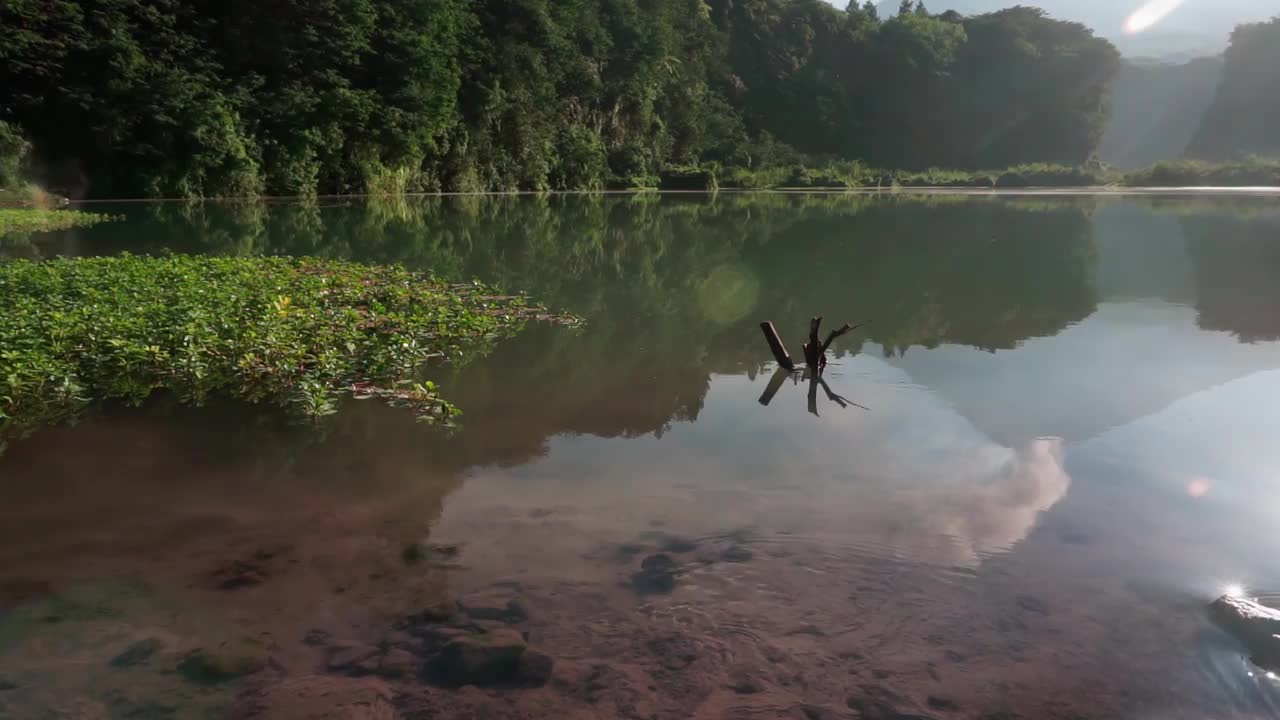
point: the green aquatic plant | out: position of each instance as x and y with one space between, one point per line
296 333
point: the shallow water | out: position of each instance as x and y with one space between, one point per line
1052 445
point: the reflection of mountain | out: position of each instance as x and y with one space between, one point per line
1128 360
1166 276
1237 261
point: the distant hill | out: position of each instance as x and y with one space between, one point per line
1156 109
1169 47
1196 28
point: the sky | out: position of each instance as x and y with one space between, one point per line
1128 21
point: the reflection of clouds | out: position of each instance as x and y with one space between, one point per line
993 510
910 478
935 488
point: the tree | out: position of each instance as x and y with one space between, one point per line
238 97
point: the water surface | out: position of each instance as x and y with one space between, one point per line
1052 444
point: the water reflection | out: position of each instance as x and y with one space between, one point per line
1026 475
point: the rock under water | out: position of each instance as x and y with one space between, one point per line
1253 624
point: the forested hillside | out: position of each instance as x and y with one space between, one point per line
1156 110
1244 119
238 97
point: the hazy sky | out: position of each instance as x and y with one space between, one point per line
1107 17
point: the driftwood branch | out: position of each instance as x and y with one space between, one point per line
844 330
815 356
813 349
775 345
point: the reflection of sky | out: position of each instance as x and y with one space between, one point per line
1127 360
910 478
1224 440
1190 490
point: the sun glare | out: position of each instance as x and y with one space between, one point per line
1151 13
1233 590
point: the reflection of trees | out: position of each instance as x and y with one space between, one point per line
1237 268
201 484
643 269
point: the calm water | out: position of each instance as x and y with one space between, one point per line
1057 444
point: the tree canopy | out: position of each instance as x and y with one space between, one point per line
234 97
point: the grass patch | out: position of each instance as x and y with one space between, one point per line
295 333
22 220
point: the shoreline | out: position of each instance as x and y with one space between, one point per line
1084 190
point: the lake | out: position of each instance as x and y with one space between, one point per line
1012 496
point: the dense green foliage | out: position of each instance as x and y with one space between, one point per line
297 333
25 220
209 98
1244 119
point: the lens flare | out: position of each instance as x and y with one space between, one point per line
1234 590
1151 12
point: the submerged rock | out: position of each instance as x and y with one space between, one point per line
137 653
673 652
437 637
676 544
398 663
1253 624
316 637
433 553
535 668
738 554
481 659
936 702
321 697
358 660
239 574
443 611
496 605
879 703
226 662
657 575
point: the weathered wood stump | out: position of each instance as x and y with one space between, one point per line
1253 624
815 351
776 347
